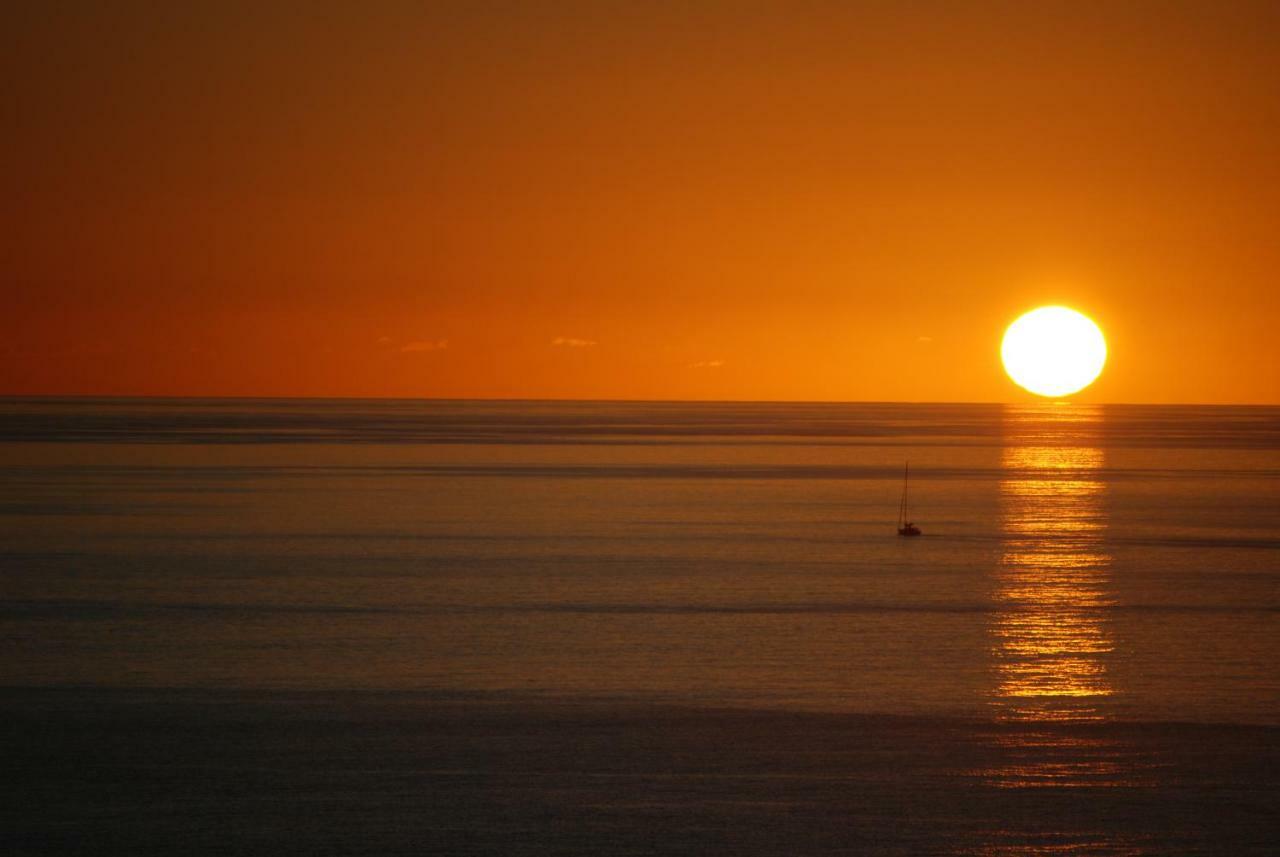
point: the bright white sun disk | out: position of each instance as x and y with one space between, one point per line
1053 351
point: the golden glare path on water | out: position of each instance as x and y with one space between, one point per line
1052 584
1050 631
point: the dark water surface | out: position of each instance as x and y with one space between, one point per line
238 626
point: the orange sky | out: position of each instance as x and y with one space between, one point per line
720 201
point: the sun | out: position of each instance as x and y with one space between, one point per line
1053 351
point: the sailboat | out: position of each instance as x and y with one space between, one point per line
905 527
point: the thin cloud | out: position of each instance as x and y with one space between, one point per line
707 364
425 345
924 339
573 342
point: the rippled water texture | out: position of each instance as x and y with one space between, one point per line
1081 645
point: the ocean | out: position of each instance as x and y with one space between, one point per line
504 627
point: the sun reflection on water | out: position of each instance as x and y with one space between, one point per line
1050 633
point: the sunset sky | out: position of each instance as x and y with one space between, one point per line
830 201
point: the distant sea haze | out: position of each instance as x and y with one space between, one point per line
1083 639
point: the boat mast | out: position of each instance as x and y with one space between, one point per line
902 507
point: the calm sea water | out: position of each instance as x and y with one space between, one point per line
1089 578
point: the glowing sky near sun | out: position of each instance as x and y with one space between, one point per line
786 201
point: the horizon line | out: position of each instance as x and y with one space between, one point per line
562 399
